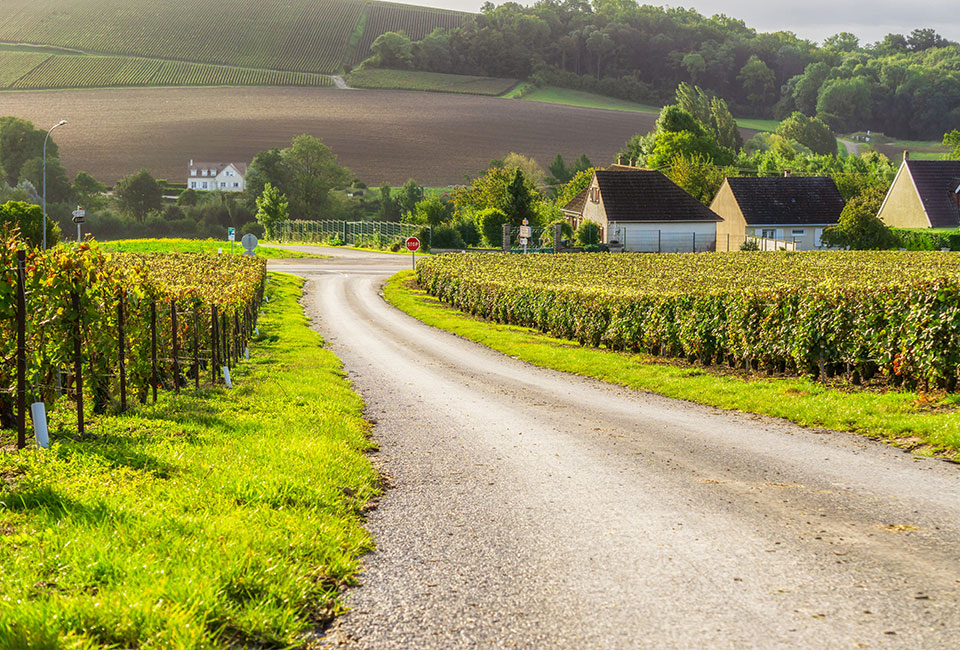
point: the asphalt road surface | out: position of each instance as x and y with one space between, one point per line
533 509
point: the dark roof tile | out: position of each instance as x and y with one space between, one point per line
936 182
648 195
575 205
787 200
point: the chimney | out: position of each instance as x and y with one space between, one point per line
906 155
191 162
619 158
786 173
631 162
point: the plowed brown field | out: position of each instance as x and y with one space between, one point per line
383 136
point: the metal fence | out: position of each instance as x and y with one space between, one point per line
376 234
735 243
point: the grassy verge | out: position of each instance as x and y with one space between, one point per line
224 518
429 81
195 246
568 97
927 425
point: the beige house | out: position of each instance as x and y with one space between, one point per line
641 210
924 194
789 209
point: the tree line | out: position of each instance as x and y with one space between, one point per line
904 85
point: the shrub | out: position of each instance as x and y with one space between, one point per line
446 236
750 245
588 233
490 224
468 231
253 228
28 220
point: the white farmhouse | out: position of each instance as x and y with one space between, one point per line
223 176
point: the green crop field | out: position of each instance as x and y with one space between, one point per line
430 81
104 43
415 22
871 316
112 71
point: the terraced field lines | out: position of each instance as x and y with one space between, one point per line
89 72
416 22
304 35
14 65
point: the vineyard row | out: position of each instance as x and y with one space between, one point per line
892 315
98 327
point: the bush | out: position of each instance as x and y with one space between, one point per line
446 236
28 220
750 245
468 231
253 228
919 240
588 234
490 224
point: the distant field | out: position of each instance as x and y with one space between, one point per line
430 81
14 65
415 22
567 97
269 36
110 71
382 136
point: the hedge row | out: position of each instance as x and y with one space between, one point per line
891 320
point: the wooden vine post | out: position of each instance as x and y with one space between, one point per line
122 354
196 346
153 347
214 335
176 346
21 352
77 359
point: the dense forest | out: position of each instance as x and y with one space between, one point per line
904 86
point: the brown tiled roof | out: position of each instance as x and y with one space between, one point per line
791 200
936 182
648 195
575 205
218 166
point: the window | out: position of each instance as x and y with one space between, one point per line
228 173
193 185
595 194
204 184
769 233
222 184
236 184
203 172
798 232
193 172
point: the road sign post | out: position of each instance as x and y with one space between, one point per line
249 243
526 232
413 245
231 237
79 216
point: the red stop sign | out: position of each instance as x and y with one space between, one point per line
413 244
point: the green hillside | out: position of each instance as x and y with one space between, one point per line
110 43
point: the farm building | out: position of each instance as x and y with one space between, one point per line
642 210
223 176
924 194
792 209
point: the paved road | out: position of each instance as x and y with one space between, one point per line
534 509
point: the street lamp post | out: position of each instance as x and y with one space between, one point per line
60 123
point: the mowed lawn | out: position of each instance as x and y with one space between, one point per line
196 246
211 519
429 81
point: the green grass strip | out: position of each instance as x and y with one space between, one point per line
213 519
923 424
196 246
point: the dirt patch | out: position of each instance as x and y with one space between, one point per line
383 136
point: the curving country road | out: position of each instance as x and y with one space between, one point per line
533 509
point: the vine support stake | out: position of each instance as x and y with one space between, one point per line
153 348
214 357
176 346
196 346
77 360
122 354
21 351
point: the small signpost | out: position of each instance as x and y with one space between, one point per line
413 245
231 237
249 243
526 232
79 216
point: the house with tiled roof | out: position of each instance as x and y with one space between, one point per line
793 209
644 211
924 194
223 176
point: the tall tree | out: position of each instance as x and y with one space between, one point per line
266 167
138 195
811 132
272 210
19 142
312 172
